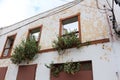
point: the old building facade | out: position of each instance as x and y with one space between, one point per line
92 25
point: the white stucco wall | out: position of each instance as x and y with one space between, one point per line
99 54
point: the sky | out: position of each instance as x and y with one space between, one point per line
12 11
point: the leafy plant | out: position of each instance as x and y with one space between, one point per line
68 40
25 51
68 67
71 67
55 69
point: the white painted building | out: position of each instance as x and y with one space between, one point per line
92 24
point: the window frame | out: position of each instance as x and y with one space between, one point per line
10 49
38 27
69 17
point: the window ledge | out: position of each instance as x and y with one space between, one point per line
4 57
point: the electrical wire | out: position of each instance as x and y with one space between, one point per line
103 5
64 0
108 21
98 5
108 4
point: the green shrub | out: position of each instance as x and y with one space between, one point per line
25 51
68 67
66 41
71 67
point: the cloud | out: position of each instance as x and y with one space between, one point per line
43 5
12 11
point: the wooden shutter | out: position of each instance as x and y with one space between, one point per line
85 73
81 75
3 71
27 72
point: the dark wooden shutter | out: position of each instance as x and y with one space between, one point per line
3 71
27 72
85 73
81 75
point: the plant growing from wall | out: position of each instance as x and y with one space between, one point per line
68 67
71 67
25 51
68 40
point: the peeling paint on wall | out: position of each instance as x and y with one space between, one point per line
107 48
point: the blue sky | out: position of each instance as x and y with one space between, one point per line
12 11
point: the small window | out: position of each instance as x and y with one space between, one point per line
69 24
3 71
8 46
36 33
26 72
